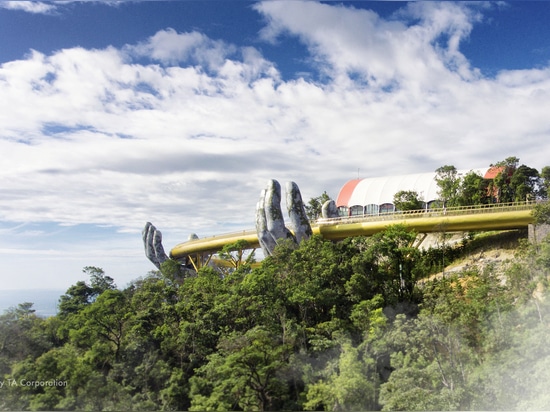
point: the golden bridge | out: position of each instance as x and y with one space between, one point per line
453 219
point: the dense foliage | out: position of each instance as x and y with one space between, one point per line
354 325
511 183
507 182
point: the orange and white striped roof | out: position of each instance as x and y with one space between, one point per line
380 190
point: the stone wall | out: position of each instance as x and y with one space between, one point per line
538 232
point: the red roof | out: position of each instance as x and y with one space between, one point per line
493 172
346 192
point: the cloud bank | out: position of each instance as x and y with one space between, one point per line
184 130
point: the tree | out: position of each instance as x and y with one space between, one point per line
22 334
76 298
430 362
106 319
474 190
541 214
155 355
397 263
248 372
525 184
312 279
315 205
448 181
81 294
350 383
510 163
545 181
99 281
407 200
500 185
234 254
73 384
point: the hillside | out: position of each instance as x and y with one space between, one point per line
368 323
497 249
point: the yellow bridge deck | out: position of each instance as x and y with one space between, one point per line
471 218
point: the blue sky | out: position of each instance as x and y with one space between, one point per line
114 114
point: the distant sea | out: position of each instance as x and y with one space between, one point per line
45 300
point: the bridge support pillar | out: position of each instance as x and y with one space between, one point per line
199 260
538 232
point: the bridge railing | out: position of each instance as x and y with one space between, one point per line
435 212
399 215
229 235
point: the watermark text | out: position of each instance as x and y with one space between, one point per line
32 383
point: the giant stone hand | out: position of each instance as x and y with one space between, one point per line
270 224
329 210
152 240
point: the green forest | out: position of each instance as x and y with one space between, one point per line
367 323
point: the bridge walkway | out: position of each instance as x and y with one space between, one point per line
456 219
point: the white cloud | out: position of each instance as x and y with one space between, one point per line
183 130
170 47
35 7
404 52
51 6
